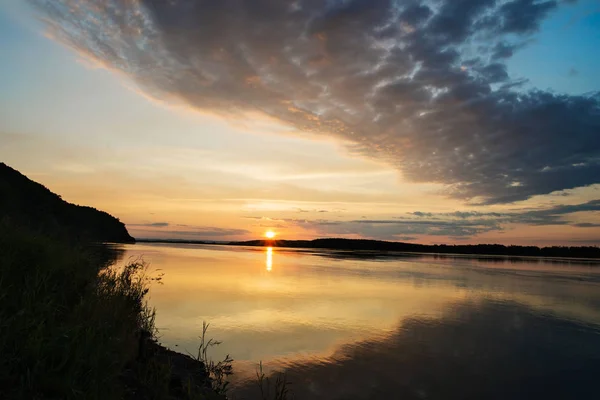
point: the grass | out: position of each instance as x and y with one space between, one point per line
218 371
71 327
268 389
272 390
58 336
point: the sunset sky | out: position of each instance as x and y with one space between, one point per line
431 121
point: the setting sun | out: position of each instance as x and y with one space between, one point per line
270 234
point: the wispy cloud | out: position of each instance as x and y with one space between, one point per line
190 232
420 84
210 232
152 225
459 224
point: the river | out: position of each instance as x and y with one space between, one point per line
346 325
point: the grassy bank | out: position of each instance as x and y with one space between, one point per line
72 328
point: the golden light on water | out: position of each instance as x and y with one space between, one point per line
269 258
270 234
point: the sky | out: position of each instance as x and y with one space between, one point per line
426 121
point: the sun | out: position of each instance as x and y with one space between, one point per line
270 234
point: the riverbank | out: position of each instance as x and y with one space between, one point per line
73 327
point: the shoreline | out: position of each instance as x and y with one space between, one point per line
388 248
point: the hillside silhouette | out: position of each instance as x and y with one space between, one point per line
25 204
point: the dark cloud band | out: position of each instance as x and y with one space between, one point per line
459 224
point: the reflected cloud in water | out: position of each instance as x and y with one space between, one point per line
479 349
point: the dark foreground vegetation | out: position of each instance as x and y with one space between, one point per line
73 328
478 249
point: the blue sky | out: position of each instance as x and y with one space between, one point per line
568 40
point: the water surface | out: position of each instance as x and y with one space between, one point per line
372 326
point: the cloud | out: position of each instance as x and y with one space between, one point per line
406 238
191 232
385 229
302 210
153 224
459 224
419 84
548 216
422 214
210 232
554 215
587 225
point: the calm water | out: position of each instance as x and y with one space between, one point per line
357 326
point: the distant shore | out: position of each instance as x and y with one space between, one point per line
384 247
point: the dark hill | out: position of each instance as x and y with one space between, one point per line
26 204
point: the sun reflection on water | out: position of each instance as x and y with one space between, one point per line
269 258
